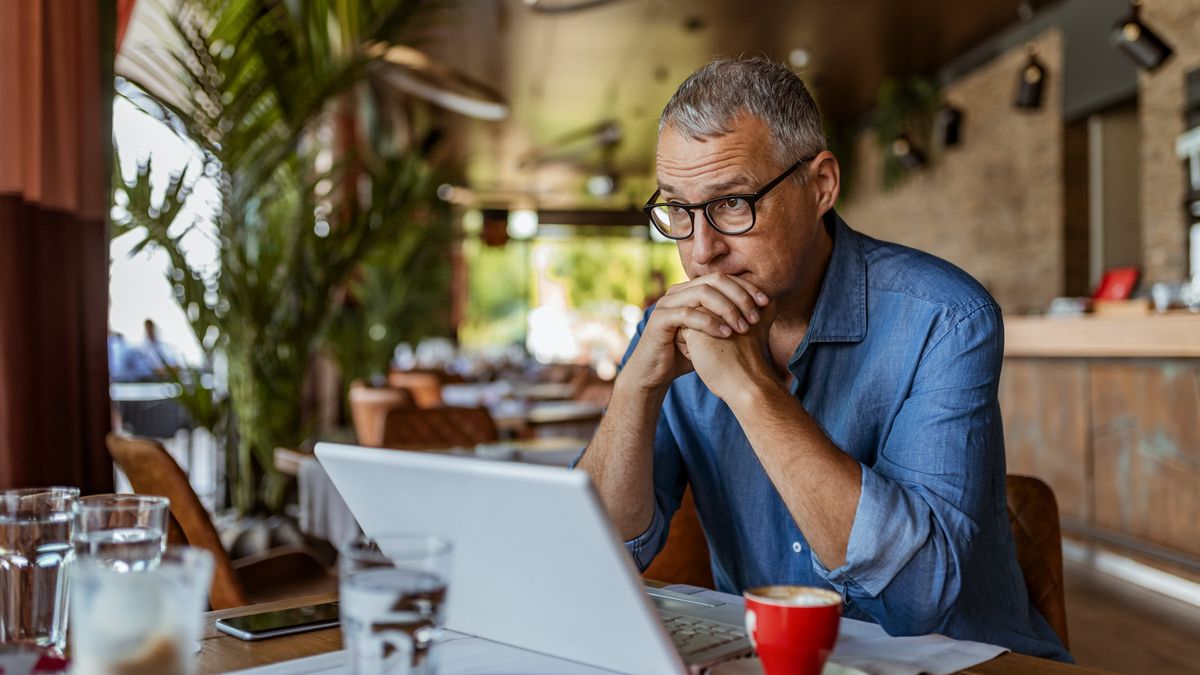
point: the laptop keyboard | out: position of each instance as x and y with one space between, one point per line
692 635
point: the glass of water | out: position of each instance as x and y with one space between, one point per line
35 560
139 619
393 596
127 532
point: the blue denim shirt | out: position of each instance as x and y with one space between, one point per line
899 366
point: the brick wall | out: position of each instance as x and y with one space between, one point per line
1160 109
992 205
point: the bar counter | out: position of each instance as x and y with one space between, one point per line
1152 335
1106 409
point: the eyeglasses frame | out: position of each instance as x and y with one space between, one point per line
751 199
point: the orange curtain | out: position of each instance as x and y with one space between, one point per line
55 150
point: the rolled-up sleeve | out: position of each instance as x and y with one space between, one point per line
646 545
938 475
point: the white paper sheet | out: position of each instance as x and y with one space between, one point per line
865 647
862 648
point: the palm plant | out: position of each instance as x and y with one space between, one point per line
262 88
397 295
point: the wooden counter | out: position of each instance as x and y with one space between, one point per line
1152 335
1106 410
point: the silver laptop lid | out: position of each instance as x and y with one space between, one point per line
537 563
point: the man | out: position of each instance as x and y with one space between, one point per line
830 398
118 358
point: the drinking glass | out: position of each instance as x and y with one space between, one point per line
127 532
35 561
393 594
143 619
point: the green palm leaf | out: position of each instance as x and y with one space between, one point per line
251 84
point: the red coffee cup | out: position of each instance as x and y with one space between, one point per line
793 628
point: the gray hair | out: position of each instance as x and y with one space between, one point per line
712 98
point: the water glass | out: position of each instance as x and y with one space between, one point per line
127 532
139 619
393 595
35 561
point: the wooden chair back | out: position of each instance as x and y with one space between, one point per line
152 471
1033 515
441 427
684 558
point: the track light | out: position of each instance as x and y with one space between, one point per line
948 126
1138 42
1031 82
602 184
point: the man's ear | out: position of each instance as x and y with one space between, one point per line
825 179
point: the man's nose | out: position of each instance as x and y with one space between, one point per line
707 243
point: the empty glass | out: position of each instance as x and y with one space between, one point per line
139 619
35 560
127 532
393 594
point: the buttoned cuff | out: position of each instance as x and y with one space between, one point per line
889 527
644 547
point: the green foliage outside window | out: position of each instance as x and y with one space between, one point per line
496 292
601 269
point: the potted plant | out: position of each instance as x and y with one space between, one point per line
266 90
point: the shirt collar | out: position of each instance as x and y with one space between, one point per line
841 311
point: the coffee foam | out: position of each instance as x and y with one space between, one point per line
794 596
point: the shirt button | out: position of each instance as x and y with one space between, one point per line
797 547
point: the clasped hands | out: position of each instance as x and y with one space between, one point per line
717 325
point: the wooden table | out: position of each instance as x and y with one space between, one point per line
220 653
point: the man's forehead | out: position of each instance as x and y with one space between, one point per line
742 150
703 187
714 168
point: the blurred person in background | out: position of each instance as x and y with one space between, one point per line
151 360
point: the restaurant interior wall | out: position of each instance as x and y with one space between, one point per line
1114 153
1161 104
1095 75
993 203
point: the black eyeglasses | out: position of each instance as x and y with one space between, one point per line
729 214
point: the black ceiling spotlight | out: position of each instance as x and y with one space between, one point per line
1139 42
1032 81
947 126
908 155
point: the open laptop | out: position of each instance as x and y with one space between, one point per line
537 564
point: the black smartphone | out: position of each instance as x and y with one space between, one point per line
281 622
